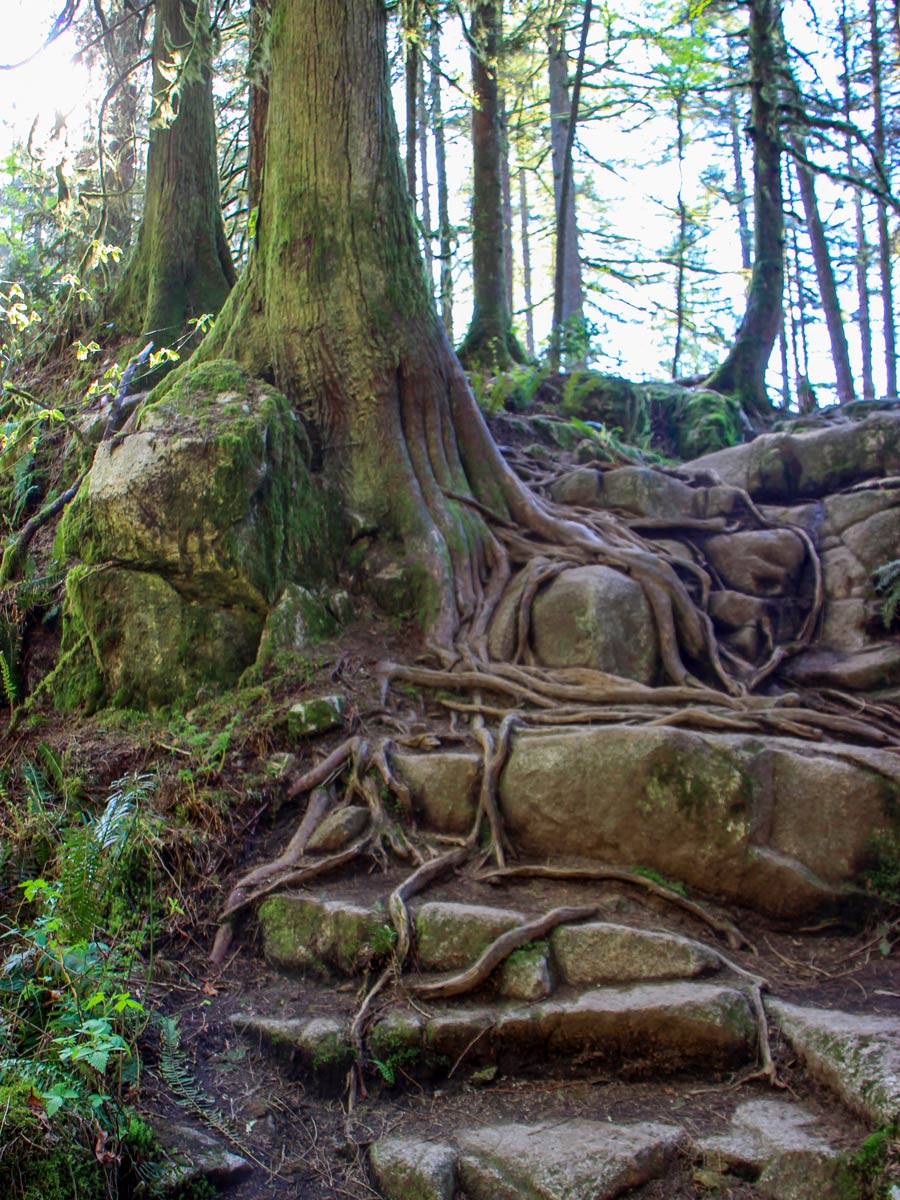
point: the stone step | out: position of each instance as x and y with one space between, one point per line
772 1144
856 1056
308 934
633 1031
779 825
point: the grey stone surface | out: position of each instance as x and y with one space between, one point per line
318 714
575 1160
779 1140
857 1056
303 932
596 617
597 951
193 1155
338 829
444 784
526 974
408 1169
451 936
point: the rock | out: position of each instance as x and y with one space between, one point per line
858 1057
581 488
719 812
452 936
207 500
405 1169
526 974
597 951
760 562
875 666
319 714
132 639
282 764
782 467
596 617
444 786
303 933
338 829
574 1160
298 621
194 1155
776 1141
642 492
321 1044
662 1027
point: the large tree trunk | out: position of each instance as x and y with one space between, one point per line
258 97
743 373
490 341
182 266
335 309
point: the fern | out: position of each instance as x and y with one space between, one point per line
887 585
9 684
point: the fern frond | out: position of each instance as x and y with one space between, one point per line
9 684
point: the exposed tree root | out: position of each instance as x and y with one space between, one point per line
726 929
498 951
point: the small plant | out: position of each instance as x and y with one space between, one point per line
876 1165
882 870
887 586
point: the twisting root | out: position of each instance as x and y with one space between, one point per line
499 950
728 931
495 757
756 986
410 887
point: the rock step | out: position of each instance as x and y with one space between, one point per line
305 933
770 1142
641 1030
778 825
856 1056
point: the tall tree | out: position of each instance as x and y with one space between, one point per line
743 371
490 341
440 167
182 266
885 251
572 302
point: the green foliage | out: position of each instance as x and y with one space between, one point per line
509 391
876 1165
658 877
887 585
882 869
69 1018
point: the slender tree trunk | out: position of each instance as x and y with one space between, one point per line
490 341
681 247
425 174
862 255
526 262
743 372
884 237
258 101
411 68
121 47
840 354
440 167
506 187
182 266
572 307
785 365
740 186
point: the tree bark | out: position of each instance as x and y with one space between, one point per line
258 100
427 232
840 354
440 167
489 342
182 266
884 236
743 372
525 235
572 307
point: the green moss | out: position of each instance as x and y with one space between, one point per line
39 1163
710 792
289 926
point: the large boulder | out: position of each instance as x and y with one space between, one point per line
204 511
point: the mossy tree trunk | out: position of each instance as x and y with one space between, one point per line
743 372
181 267
490 341
334 307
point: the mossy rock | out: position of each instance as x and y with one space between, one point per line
209 512
609 400
688 422
132 639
